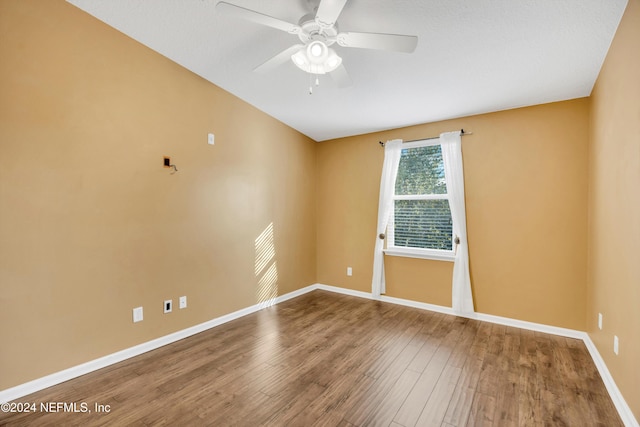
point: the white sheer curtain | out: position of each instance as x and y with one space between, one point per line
462 297
392 151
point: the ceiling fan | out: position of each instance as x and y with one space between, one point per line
318 32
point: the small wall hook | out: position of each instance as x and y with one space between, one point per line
166 162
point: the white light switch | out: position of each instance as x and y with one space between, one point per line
137 314
183 302
616 344
600 321
349 271
211 139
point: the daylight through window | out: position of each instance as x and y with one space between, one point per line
421 222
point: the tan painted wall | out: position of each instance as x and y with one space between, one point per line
92 225
526 196
614 208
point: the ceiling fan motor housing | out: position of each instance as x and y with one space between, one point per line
312 31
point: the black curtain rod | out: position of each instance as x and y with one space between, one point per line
462 132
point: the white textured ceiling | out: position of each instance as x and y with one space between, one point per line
473 56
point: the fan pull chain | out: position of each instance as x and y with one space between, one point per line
311 85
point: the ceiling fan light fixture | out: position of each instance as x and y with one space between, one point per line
333 61
316 58
299 59
317 50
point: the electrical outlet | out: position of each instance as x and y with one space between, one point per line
183 302
168 306
616 344
137 314
600 321
349 271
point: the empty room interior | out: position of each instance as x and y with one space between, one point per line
194 231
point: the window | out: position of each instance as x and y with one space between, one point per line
421 224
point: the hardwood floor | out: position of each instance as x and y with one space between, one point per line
325 359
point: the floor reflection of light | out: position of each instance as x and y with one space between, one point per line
266 268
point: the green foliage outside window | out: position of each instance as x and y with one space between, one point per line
421 171
422 223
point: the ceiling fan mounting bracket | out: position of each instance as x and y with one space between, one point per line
311 30
323 24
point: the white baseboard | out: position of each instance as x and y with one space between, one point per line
41 383
621 405
344 291
523 324
102 362
554 330
618 400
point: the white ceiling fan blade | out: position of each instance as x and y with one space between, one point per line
277 60
340 76
394 42
328 12
257 17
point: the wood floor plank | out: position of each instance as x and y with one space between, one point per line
334 401
289 414
529 411
436 408
377 393
460 406
462 398
424 356
551 391
507 398
324 359
415 402
482 409
383 414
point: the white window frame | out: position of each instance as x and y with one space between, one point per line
433 254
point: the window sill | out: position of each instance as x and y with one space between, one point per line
424 254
